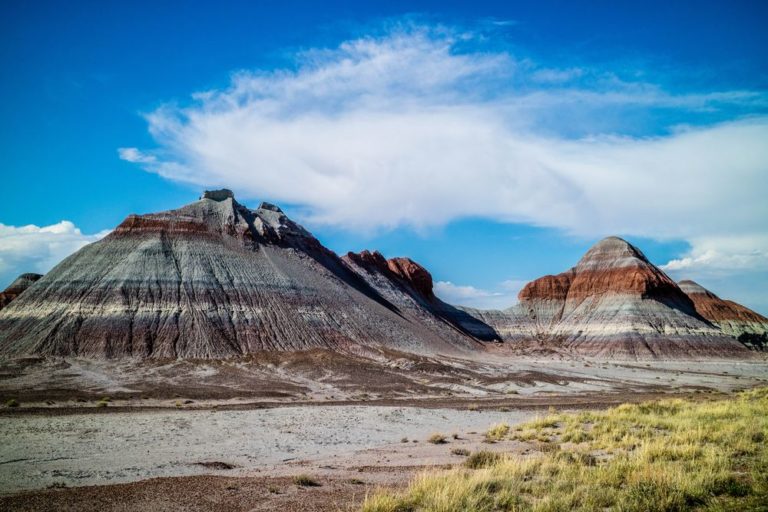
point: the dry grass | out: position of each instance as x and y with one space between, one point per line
437 438
663 456
305 481
497 432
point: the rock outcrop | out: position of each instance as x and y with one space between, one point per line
408 285
732 318
20 284
613 303
215 279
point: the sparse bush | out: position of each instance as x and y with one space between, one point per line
404 440
305 481
455 435
460 451
11 402
356 481
437 438
102 404
482 459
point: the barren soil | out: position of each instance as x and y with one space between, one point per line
232 435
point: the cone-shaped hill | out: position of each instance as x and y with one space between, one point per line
613 303
212 279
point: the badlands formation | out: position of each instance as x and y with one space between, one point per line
214 279
613 303
250 354
731 318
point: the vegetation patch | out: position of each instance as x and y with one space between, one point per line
437 438
660 456
305 481
497 432
482 459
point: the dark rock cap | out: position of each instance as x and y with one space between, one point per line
269 206
218 195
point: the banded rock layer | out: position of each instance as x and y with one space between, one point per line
613 303
209 280
732 318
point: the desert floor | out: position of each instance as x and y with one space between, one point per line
177 437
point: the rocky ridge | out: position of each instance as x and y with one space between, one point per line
732 318
408 286
213 279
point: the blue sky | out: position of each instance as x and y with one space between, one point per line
492 142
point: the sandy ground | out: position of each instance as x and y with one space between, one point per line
232 435
37 452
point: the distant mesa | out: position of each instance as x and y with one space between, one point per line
214 279
15 289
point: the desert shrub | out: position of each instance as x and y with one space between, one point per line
11 402
305 481
460 451
437 438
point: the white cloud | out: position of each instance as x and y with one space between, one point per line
501 298
412 129
38 249
721 255
135 156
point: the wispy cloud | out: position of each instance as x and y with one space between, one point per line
38 249
422 126
135 156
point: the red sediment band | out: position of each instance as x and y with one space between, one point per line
135 224
571 285
715 309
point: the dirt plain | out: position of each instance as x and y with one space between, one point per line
234 434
